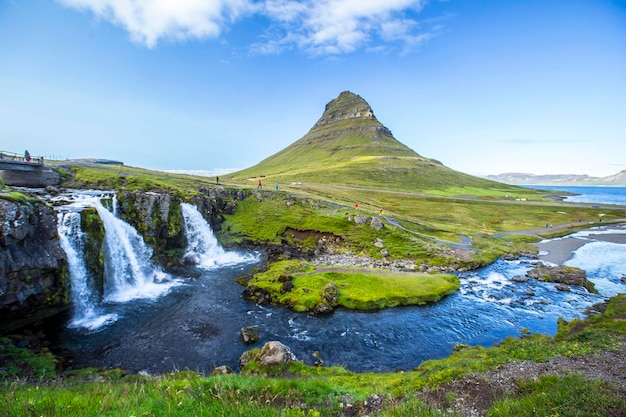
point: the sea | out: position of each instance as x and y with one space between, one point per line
588 194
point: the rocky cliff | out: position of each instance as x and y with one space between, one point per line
33 268
158 217
34 277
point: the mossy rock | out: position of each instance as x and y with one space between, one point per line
92 226
567 275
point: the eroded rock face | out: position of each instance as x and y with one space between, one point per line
158 216
33 266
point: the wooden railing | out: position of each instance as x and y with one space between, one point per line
14 157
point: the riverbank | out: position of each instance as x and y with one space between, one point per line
558 251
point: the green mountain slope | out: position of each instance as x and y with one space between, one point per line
348 146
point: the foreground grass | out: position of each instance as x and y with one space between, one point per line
303 287
309 391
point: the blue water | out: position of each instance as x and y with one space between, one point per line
586 194
196 326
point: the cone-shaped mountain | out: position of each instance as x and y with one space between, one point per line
348 146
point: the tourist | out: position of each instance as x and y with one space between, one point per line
26 156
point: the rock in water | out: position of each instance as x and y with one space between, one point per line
563 275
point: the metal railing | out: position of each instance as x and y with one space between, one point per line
15 157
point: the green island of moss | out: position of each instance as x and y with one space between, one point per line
319 289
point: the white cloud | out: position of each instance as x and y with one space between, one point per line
148 21
319 27
331 27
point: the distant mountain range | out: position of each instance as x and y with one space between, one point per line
515 178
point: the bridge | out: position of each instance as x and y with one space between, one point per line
26 171
11 161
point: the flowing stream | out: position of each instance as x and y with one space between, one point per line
149 322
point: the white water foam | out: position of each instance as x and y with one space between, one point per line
203 249
605 264
128 270
86 312
130 273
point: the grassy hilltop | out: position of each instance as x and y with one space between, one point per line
348 146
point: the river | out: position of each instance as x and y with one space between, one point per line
194 324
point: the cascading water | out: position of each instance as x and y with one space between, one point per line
203 249
128 270
86 312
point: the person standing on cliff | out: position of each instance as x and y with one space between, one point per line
27 156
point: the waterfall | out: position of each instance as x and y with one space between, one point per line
203 249
86 312
128 270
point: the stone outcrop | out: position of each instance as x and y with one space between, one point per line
157 217
33 266
565 275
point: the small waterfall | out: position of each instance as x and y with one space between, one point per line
128 270
86 312
203 249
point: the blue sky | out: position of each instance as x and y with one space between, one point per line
485 87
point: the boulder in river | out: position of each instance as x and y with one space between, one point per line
563 275
249 335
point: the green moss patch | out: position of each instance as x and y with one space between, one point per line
303 287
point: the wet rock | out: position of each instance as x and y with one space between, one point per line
519 278
563 275
249 335
563 287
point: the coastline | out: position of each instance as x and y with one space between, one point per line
558 251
